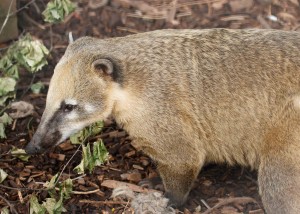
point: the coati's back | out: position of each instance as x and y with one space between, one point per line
187 97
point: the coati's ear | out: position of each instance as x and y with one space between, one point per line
103 66
108 69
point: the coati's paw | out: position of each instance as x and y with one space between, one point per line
175 200
152 183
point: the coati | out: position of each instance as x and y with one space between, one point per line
188 97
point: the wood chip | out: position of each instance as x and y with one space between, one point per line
112 184
60 157
137 167
66 146
135 177
259 211
238 5
117 134
129 154
81 181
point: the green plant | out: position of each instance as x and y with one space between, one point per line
3 175
57 10
37 87
4 120
99 154
91 159
58 193
27 53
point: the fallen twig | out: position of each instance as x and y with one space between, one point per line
68 163
112 184
226 201
102 202
130 30
87 192
12 207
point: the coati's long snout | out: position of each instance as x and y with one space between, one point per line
47 135
41 142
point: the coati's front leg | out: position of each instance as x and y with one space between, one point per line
178 180
279 170
178 166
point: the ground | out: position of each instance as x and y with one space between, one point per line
118 18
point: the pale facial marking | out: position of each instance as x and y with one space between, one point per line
89 108
119 94
70 101
296 100
73 115
67 132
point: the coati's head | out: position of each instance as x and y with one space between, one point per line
81 92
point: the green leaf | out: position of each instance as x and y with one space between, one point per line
87 161
79 169
67 187
87 157
37 87
31 54
96 128
90 160
59 208
7 85
100 154
2 131
57 10
20 153
87 132
5 210
8 67
3 175
35 207
54 207
7 89
78 138
49 205
26 52
4 121
52 183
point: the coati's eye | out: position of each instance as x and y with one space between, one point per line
68 107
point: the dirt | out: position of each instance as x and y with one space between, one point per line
119 18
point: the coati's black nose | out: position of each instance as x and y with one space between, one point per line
33 147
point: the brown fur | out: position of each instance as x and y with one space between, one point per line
188 97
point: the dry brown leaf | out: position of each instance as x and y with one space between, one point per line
218 5
229 210
238 5
143 7
295 2
135 176
286 17
23 109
